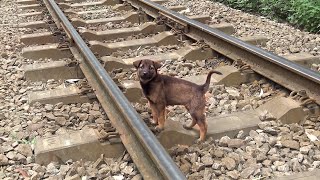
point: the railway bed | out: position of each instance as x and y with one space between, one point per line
145 29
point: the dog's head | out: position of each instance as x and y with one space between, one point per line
147 69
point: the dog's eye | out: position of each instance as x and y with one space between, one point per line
151 68
141 67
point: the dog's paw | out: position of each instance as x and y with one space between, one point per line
153 122
158 128
186 127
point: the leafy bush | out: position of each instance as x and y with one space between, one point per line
306 13
302 13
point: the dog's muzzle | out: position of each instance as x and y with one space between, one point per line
146 76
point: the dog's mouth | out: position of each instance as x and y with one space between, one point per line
146 77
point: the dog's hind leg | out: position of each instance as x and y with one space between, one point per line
193 116
203 129
198 118
193 123
197 111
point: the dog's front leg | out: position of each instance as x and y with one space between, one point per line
161 119
161 109
155 114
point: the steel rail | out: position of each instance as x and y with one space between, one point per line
280 70
145 150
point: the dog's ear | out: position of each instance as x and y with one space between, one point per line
136 64
157 65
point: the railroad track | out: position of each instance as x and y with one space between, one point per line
112 42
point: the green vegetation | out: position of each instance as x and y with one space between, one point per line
301 13
23 141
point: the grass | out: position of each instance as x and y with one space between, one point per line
304 14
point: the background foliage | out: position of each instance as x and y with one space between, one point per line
301 13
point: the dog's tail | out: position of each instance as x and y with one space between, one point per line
205 86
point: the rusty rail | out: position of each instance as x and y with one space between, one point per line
278 69
145 150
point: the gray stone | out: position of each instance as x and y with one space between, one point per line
64 169
5 148
233 93
253 134
279 163
247 172
24 149
51 168
35 176
193 157
48 107
272 141
300 157
266 172
274 157
218 153
305 149
261 157
3 160
127 170
207 160
217 172
207 175
316 164
272 151
58 105
224 141
216 166
12 155
40 169
75 110
83 116
61 121
50 116
250 162
291 144
35 127
96 114
316 157
233 174
197 167
271 131
229 163
100 121
263 125
21 158
236 157
283 168
266 162
235 143
185 168
104 170
295 165
240 135
73 177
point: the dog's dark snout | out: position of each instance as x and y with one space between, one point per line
144 73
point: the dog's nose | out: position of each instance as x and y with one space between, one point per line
144 73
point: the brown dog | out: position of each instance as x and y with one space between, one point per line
162 90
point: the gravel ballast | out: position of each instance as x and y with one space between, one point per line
273 150
21 123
